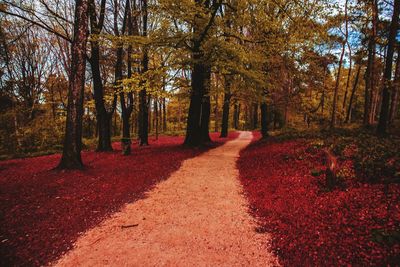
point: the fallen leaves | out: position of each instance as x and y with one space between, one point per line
311 227
43 211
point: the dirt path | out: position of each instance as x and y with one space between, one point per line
198 217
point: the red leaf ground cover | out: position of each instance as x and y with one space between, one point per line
43 211
312 227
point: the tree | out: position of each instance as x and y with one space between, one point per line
125 103
335 96
200 71
387 75
143 98
103 114
370 71
71 156
225 107
395 89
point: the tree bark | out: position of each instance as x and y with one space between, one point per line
370 71
103 116
387 75
200 69
126 108
206 108
143 100
216 108
255 116
193 132
264 119
395 90
225 108
348 79
353 91
164 111
71 157
335 96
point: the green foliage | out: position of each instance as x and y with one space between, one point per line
41 135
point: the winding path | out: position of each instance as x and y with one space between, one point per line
197 217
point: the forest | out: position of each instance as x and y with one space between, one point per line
107 107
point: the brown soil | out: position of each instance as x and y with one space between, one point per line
198 217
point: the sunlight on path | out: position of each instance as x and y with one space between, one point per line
198 217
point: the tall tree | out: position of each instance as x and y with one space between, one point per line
71 157
394 103
353 92
199 70
335 96
103 114
387 75
125 103
143 98
264 119
370 71
225 107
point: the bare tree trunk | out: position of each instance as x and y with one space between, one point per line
71 157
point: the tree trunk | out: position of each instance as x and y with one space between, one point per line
335 96
200 71
235 115
104 125
264 120
387 75
352 94
156 116
395 90
103 116
350 67
193 131
225 111
164 111
216 108
206 108
205 119
143 105
143 118
71 157
126 108
370 72
255 116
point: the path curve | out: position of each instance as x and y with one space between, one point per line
197 217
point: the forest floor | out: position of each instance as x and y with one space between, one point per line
43 211
197 217
234 205
357 223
